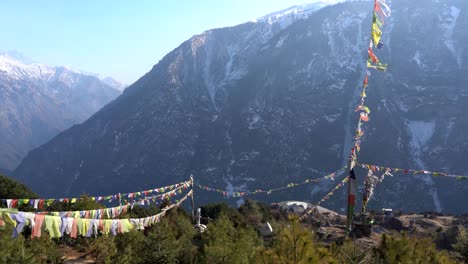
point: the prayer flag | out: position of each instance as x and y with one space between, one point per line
366 81
380 45
364 117
376 33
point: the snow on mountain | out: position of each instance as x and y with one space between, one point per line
16 65
449 21
287 15
114 83
38 101
17 69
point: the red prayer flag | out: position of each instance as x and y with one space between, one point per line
372 56
366 81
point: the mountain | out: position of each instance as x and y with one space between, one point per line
271 101
37 102
114 83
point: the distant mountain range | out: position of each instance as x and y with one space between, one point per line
272 101
38 101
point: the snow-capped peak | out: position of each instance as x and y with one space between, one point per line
18 69
15 65
297 11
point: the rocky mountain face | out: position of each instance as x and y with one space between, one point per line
37 102
272 101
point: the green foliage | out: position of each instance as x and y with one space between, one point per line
350 253
169 241
84 203
21 250
160 245
104 249
10 188
12 250
393 249
223 243
184 233
214 211
461 246
255 212
141 211
45 250
129 247
295 244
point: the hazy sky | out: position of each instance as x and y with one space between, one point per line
117 38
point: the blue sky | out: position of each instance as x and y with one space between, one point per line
121 39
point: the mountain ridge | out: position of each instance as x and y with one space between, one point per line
39 101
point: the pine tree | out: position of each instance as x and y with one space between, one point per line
184 233
10 188
255 212
104 249
223 243
393 249
14 250
350 253
295 244
129 247
461 246
44 249
160 245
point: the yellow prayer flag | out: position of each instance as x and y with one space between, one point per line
366 109
376 34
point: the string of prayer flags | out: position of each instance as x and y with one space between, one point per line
117 211
330 176
412 171
159 197
325 198
384 12
373 62
376 34
41 203
57 226
378 23
332 192
370 182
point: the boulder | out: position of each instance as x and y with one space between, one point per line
393 223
